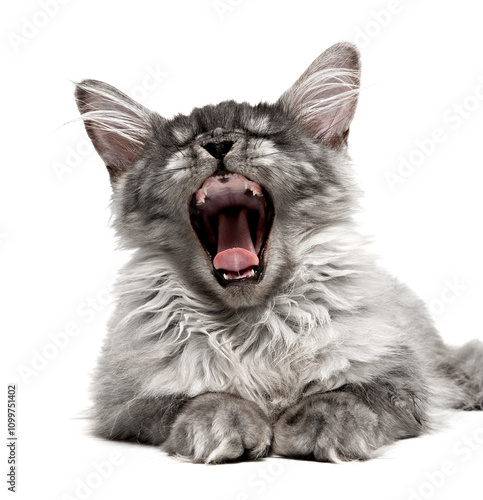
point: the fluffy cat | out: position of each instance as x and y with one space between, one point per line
251 319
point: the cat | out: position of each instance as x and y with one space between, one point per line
251 320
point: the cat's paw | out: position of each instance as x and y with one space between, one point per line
216 428
331 427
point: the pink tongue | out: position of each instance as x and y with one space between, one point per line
235 247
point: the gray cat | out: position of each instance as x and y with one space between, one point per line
251 319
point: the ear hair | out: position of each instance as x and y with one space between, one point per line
117 125
324 99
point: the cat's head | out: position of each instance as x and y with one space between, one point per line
229 194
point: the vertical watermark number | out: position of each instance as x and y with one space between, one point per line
12 438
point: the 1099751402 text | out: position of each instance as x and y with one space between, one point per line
12 437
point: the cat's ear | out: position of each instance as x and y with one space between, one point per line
117 125
324 99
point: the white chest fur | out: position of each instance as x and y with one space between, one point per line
173 343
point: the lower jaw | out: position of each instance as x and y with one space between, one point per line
252 275
227 278
241 295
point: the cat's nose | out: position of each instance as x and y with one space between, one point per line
218 149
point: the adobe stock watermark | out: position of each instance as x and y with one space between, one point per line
33 24
450 292
153 78
452 119
224 7
380 20
75 155
258 482
58 341
86 486
434 481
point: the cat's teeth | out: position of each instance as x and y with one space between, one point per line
200 196
224 176
249 274
255 191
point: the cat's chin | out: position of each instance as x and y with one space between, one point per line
244 295
232 217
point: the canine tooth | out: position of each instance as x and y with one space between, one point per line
246 184
205 190
225 276
200 197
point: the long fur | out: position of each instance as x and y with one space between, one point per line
328 356
116 114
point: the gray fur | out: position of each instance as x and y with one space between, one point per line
327 356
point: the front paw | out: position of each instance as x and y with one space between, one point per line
330 427
216 428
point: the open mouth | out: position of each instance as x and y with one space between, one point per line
232 217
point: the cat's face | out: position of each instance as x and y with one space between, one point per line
227 194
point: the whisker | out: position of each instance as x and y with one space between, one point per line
279 152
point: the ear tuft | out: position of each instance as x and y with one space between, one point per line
324 99
117 125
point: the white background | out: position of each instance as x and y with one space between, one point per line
421 61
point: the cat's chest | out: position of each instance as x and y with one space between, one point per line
274 375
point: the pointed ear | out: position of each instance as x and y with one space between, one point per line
117 126
324 99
